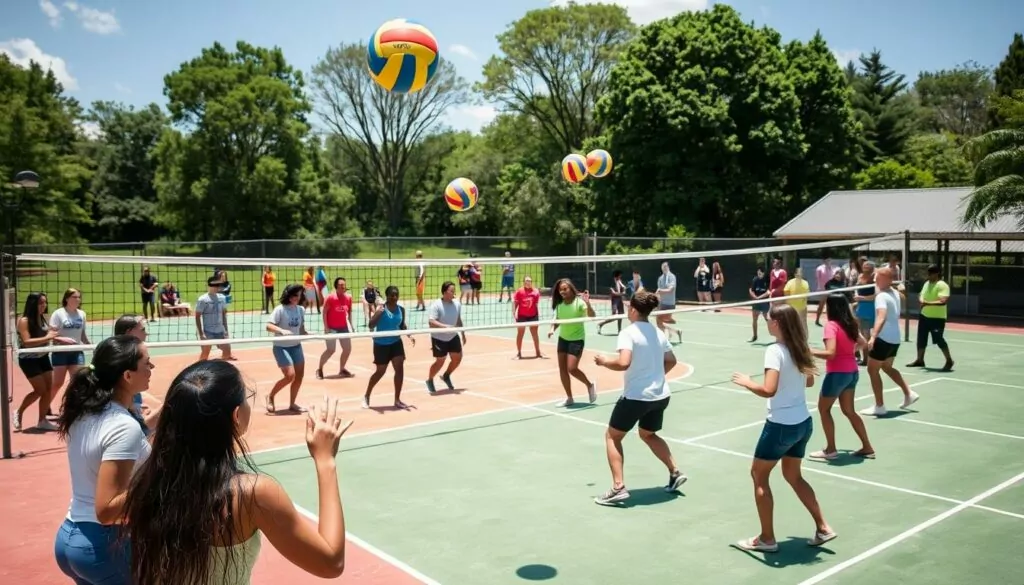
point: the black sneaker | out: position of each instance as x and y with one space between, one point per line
675 481
447 380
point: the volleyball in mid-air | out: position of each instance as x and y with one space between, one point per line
461 194
574 168
402 56
599 163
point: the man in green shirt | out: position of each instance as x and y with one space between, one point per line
932 319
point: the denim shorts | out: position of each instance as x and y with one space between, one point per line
67 358
835 383
779 440
92 554
289 356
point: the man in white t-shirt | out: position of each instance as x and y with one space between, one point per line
645 357
445 313
885 343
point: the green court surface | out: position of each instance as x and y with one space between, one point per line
507 497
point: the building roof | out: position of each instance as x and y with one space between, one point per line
929 214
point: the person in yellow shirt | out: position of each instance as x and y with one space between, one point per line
798 286
932 318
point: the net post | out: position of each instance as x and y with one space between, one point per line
6 369
906 282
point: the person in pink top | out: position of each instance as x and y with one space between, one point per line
525 309
337 314
842 338
777 278
822 275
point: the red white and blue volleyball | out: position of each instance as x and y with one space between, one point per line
599 163
461 194
574 168
402 56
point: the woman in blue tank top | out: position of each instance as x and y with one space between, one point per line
388 350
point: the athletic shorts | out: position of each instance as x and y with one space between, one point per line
384 353
779 440
34 366
440 348
883 350
650 414
571 347
530 319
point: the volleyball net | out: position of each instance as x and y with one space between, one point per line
245 291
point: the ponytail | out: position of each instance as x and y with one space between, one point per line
92 388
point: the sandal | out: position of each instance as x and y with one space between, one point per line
864 454
296 408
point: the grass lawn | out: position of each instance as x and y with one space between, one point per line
111 289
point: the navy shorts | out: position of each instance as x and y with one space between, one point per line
835 383
779 440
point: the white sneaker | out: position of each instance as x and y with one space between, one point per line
366 403
908 400
875 411
566 402
592 392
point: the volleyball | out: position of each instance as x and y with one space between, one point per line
461 195
402 56
574 168
599 163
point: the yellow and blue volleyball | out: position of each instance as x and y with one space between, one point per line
461 194
402 56
599 163
574 168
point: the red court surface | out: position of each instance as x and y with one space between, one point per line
36 487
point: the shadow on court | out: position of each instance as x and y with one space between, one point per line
794 550
648 496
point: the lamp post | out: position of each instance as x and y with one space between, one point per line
22 180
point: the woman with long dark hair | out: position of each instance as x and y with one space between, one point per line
569 303
105 442
194 515
788 369
34 331
842 338
287 319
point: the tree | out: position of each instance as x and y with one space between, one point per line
1009 76
884 109
941 155
703 123
956 100
125 202
890 174
38 132
999 167
829 129
233 167
380 131
554 65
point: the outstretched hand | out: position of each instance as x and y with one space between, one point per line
324 429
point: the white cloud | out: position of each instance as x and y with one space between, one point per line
647 11
121 88
24 51
846 55
472 118
51 11
91 130
93 20
462 51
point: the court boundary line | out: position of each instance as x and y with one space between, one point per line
912 531
981 382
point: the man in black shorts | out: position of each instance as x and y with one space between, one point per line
445 313
645 356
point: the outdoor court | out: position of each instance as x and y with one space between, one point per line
491 484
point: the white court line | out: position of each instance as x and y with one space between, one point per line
394 562
982 382
911 532
956 428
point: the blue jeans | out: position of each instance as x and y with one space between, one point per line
91 554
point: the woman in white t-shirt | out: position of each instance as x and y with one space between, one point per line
69 323
789 368
105 442
287 319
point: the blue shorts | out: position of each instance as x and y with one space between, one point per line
779 440
67 358
835 383
289 356
88 552
220 335
508 281
760 308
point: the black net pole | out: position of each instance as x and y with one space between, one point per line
6 357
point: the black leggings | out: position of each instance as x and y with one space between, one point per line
934 327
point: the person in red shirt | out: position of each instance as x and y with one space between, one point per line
777 278
337 319
525 309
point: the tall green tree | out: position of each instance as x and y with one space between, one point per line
38 132
1009 76
956 100
381 131
999 167
885 110
232 167
704 123
125 198
827 124
941 155
554 64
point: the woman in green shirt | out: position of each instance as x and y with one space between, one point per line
569 303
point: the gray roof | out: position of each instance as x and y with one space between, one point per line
927 213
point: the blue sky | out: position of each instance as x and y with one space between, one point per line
121 49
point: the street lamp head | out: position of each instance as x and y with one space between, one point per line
26 180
